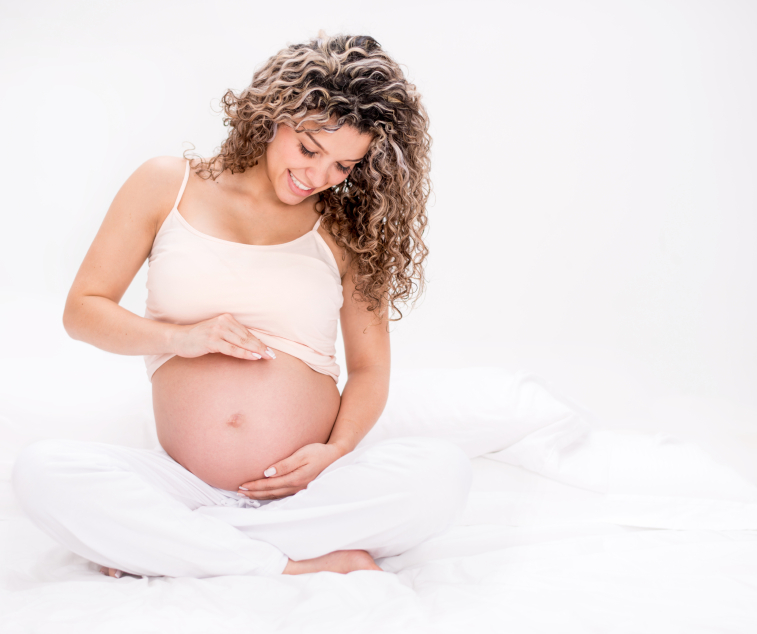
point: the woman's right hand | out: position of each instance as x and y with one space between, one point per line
222 334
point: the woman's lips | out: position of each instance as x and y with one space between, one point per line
298 190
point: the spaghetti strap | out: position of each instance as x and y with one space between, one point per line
317 224
183 185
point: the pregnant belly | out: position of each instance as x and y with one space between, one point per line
227 420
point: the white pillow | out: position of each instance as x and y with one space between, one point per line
482 410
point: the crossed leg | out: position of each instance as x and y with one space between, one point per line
139 512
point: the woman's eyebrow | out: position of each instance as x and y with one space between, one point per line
310 136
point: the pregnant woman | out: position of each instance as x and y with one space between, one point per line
310 215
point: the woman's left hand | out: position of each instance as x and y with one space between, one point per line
292 474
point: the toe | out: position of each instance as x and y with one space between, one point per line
110 572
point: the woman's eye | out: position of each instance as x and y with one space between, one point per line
305 151
309 154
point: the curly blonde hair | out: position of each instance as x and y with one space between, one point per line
379 212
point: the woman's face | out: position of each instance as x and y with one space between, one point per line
300 164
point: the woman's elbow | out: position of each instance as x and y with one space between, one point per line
71 321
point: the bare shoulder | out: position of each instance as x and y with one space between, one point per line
342 256
160 168
154 185
128 229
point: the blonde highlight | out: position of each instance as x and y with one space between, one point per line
378 213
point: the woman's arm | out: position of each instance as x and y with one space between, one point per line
122 244
367 351
368 360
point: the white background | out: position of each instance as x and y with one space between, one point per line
594 166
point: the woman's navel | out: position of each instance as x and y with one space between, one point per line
235 420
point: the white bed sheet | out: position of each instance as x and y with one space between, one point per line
531 553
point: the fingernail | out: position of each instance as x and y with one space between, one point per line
241 495
255 355
117 574
269 351
269 472
243 489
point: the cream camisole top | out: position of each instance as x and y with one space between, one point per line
287 295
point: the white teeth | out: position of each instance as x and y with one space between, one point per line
299 184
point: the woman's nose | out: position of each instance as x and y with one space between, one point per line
319 176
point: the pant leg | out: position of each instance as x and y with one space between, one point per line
134 510
386 499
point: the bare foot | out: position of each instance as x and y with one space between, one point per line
111 572
342 561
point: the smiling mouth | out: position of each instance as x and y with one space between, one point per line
298 184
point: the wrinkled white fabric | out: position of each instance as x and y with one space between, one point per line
573 539
649 480
140 511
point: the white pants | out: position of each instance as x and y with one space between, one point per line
141 512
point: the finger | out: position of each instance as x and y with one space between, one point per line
297 478
238 334
297 460
251 342
285 466
290 481
275 494
234 350
245 339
